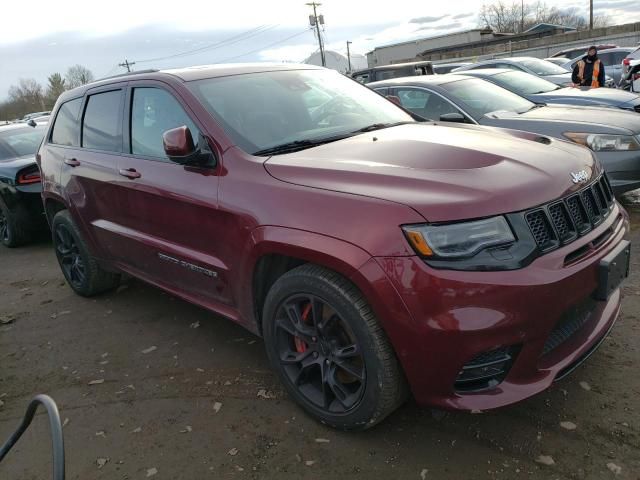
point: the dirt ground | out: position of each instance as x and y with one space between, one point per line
183 394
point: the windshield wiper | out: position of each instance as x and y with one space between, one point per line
298 145
380 126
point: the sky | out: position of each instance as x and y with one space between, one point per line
39 37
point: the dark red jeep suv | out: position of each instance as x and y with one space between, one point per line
375 255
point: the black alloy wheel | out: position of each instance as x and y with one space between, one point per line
69 256
319 354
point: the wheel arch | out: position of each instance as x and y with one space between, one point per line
276 250
52 205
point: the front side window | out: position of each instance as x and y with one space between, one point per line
479 98
263 110
65 129
424 103
153 112
102 121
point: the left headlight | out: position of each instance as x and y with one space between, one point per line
604 143
459 239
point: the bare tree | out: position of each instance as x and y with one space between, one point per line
516 17
56 87
27 96
78 75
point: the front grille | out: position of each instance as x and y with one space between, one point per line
540 228
562 222
569 324
485 370
560 218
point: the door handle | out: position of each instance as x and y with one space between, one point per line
72 162
130 173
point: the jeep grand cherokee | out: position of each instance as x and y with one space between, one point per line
375 255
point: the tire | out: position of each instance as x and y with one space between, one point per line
329 350
13 231
80 269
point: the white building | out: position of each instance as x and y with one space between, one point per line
338 61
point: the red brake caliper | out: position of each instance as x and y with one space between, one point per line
301 345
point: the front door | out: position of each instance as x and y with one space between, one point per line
168 211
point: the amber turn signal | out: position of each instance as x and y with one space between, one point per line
419 243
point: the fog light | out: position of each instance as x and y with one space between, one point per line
485 371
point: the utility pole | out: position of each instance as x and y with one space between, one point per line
127 64
349 55
590 14
315 21
522 18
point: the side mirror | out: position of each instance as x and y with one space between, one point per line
453 117
395 99
180 148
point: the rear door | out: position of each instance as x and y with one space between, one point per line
171 221
89 161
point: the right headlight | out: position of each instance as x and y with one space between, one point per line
459 240
604 142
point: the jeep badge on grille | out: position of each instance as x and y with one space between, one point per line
580 177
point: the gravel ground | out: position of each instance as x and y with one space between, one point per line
180 393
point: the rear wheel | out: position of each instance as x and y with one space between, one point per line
79 268
12 230
329 349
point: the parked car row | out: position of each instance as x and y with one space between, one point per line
377 254
556 69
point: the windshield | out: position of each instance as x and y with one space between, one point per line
20 142
542 67
263 110
479 97
524 83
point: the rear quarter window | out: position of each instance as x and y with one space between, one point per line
65 128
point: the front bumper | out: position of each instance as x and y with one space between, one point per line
453 316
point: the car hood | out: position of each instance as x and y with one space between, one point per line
445 172
609 96
592 119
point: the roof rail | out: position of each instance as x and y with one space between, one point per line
135 72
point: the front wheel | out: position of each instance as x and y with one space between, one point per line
79 268
329 350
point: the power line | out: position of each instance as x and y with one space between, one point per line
263 48
227 41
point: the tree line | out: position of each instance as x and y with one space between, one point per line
517 17
30 96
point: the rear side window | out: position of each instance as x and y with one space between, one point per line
153 112
65 129
101 127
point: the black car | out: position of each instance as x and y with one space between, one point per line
21 212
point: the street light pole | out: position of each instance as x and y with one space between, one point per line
590 14
349 55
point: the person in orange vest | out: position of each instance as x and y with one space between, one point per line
589 72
